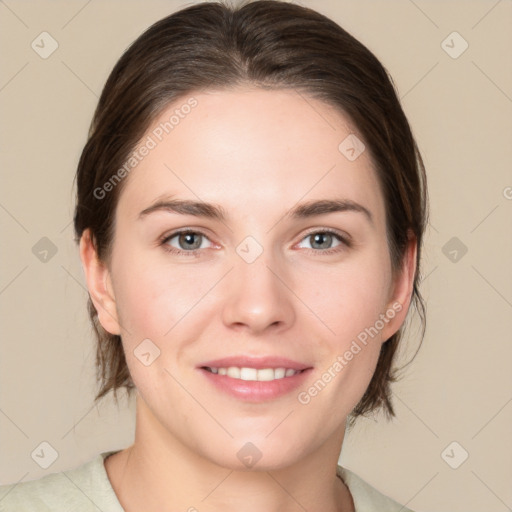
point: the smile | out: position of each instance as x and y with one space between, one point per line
253 374
255 385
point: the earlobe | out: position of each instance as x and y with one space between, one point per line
97 276
402 291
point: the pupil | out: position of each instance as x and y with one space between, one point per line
188 238
322 236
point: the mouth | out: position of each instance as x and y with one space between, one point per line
255 379
254 374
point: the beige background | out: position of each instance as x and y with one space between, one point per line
459 386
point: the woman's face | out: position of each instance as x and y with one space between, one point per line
277 277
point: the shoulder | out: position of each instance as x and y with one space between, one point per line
81 489
367 498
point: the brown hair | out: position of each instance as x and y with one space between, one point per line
269 44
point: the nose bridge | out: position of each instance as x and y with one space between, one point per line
256 296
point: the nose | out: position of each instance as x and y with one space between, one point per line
259 297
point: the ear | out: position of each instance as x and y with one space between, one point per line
98 281
402 289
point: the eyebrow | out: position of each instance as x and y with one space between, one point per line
217 212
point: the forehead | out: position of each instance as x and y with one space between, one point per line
272 147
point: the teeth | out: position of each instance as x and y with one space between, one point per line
279 373
265 374
234 372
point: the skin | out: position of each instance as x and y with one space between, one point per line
257 154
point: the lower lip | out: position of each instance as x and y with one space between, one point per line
253 390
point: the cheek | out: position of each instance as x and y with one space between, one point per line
348 298
350 306
152 297
157 303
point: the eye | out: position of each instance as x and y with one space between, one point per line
322 241
188 242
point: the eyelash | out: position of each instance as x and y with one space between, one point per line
195 252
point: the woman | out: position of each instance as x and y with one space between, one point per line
250 211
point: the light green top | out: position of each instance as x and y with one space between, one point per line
88 489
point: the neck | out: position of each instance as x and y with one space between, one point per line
161 473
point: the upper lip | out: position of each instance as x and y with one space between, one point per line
255 362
